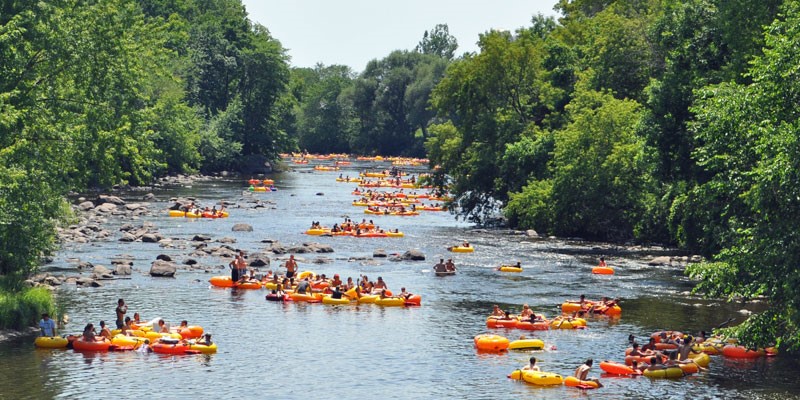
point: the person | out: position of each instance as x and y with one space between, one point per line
602 262
234 269
636 352
144 347
47 327
440 267
497 312
205 340
582 372
291 267
241 266
162 327
136 319
89 333
631 339
650 347
303 287
380 284
685 348
450 266
526 313
122 308
104 331
126 330
336 281
405 295
337 293
465 244
532 366
349 285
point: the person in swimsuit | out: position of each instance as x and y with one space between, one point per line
122 308
291 267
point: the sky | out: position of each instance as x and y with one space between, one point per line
353 32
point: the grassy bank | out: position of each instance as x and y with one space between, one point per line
20 309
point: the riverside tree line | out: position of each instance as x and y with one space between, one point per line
655 121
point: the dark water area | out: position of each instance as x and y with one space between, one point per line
299 350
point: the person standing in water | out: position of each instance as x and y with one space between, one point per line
122 308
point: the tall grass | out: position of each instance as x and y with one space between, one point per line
24 308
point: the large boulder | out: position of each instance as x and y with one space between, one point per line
201 238
123 270
151 238
379 253
163 268
413 255
102 199
258 260
106 208
86 206
662 260
242 228
163 257
100 270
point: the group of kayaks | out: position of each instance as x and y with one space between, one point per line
199 214
185 340
320 293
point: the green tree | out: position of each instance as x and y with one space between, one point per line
438 42
751 151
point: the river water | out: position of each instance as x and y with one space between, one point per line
299 350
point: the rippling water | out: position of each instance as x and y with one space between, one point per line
312 350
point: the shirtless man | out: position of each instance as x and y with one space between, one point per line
122 308
582 372
526 313
291 267
440 267
497 312
450 266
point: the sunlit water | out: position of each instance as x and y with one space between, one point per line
299 350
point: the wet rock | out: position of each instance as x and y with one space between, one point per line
696 259
123 270
163 257
87 282
163 268
86 206
190 261
127 237
201 238
133 206
52 281
242 228
277 248
71 280
100 270
413 255
379 253
662 260
259 260
268 241
149 197
320 194
322 260
227 240
531 233
394 257
105 199
106 208
151 238
318 248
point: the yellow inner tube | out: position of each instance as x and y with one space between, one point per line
50 342
526 344
510 268
537 377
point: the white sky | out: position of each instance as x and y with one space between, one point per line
353 32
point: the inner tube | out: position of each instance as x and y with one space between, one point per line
603 270
537 377
491 343
51 342
572 381
526 344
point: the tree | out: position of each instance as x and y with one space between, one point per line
438 42
751 151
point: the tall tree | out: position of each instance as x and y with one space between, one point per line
438 42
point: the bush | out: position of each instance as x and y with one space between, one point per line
22 309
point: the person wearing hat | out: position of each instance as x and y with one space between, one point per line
336 281
47 326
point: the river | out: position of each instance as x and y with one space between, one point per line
299 350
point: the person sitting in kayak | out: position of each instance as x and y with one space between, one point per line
403 294
531 366
526 314
497 313
440 267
